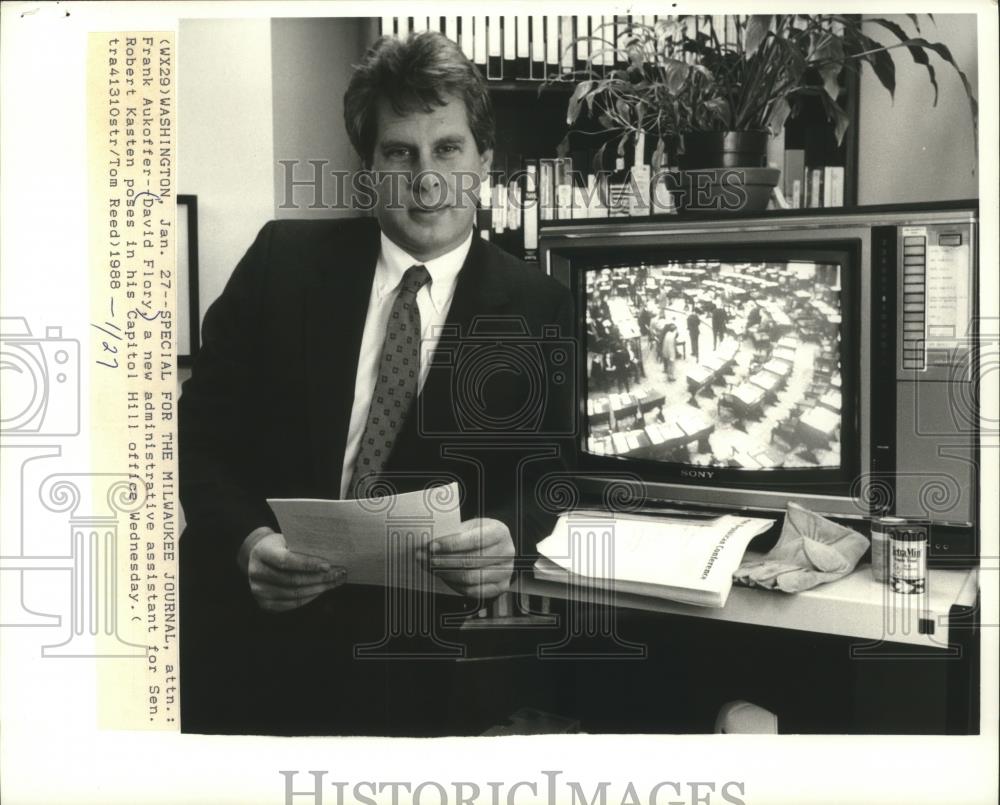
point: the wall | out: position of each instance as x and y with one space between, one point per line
312 61
252 92
910 150
225 139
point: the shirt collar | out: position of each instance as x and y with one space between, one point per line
393 262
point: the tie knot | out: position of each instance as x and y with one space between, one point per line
415 278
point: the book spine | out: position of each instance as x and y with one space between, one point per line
499 206
828 186
618 205
419 24
514 209
796 198
530 212
564 189
639 200
494 40
480 43
551 44
522 69
467 36
582 31
484 215
538 47
566 54
816 187
640 177
387 26
607 33
622 25
731 34
691 33
718 29
795 163
451 28
601 209
546 191
837 193
509 47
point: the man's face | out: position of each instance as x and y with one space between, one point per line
429 214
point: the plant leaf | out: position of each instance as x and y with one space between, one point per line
719 107
918 53
756 31
944 53
837 116
658 154
885 69
675 73
779 114
597 163
831 78
576 99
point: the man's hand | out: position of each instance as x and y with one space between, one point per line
478 561
281 579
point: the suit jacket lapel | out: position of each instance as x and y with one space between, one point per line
335 310
479 291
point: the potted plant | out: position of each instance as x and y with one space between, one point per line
709 91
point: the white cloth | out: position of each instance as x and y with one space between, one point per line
433 301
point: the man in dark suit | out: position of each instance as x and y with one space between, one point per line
286 401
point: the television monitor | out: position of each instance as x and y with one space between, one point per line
740 361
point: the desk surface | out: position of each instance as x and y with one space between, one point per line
855 606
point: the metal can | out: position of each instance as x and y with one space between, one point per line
882 530
908 556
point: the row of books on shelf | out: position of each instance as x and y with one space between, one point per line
542 46
513 206
809 186
515 202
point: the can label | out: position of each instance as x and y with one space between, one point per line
908 554
882 530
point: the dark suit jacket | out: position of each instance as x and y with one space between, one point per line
266 411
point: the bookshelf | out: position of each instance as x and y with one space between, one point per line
531 123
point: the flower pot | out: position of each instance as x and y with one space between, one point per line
724 149
726 171
727 189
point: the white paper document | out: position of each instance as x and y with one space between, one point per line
687 560
374 539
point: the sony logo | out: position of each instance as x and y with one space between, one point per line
697 473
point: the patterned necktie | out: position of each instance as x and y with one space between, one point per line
396 384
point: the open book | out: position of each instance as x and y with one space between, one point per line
681 559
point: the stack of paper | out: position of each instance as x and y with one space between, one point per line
374 540
681 559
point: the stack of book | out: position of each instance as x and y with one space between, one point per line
811 185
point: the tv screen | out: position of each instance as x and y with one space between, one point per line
716 363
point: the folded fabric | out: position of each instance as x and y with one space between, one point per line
810 551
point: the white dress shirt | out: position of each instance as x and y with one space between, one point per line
433 302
